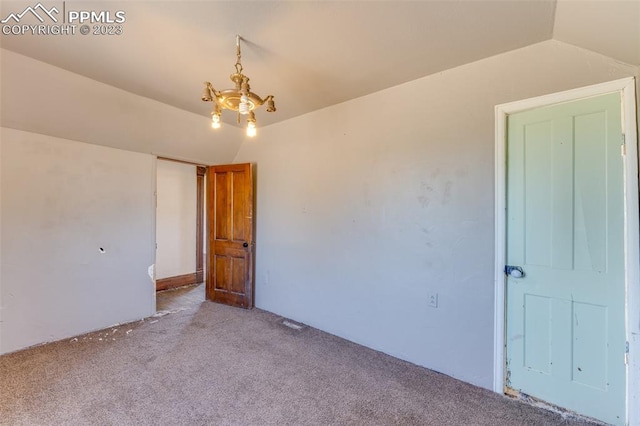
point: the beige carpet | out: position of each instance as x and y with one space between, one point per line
210 364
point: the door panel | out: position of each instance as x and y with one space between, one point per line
565 228
230 221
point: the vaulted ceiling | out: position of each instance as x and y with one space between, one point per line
314 54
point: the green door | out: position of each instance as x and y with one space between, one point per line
565 230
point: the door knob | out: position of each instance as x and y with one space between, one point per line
245 245
514 271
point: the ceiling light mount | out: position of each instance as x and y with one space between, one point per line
240 99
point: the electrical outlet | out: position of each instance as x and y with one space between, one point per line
266 278
432 300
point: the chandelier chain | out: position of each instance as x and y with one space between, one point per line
238 55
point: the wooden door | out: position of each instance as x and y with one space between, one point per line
565 229
230 253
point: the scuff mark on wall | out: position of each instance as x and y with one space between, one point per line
366 195
446 196
423 198
152 273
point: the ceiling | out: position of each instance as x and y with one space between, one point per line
314 54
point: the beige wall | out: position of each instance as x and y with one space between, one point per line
41 98
367 207
77 238
175 219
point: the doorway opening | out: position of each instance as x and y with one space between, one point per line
180 216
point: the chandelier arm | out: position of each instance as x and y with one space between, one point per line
214 91
258 101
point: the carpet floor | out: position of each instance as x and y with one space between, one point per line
209 364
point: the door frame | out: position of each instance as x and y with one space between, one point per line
626 87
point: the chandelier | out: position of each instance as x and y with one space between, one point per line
240 99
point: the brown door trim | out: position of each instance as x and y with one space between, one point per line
201 173
174 282
182 161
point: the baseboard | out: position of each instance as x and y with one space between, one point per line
177 281
199 275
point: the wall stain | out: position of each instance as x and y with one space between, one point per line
423 198
366 195
446 196
426 232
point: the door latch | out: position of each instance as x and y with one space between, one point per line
514 271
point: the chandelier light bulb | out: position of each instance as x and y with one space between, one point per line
244 107
215 121
251 129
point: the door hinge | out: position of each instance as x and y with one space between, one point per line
626 354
